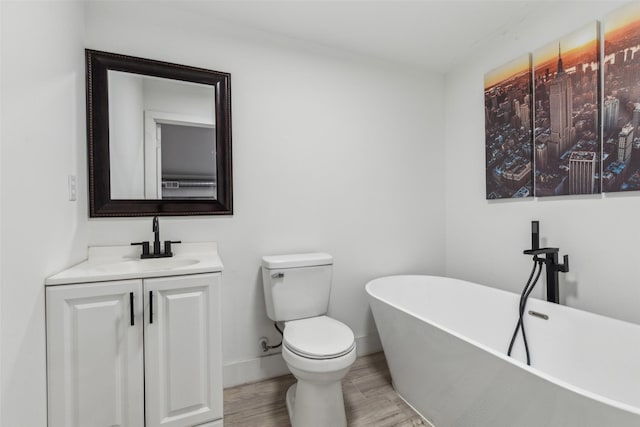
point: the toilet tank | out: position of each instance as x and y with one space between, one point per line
296 286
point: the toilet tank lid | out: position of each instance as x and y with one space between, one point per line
296 260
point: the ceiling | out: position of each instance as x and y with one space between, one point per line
433 35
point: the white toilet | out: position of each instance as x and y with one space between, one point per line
318 350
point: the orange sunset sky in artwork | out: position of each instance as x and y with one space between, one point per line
507 71
621 18
579 46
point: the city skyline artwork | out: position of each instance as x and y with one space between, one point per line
621 106
567 141
508 130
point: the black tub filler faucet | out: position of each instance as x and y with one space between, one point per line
550 258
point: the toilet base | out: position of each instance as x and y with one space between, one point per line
316 405
291 400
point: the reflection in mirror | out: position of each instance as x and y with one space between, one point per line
158 138
188 161
162 138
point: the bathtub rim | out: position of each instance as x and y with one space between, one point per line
546 377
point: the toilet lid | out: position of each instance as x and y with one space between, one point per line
318 337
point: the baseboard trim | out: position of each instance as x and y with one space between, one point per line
368 344
252 370
272 365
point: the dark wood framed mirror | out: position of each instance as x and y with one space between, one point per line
159 138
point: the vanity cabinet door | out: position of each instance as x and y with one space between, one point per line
94 355
183 358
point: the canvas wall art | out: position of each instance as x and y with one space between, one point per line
621 106
567 143
508 130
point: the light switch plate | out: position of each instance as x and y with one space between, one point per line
73 188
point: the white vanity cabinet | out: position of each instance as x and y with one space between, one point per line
137 352
94 356
183 361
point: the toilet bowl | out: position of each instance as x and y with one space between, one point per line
317 349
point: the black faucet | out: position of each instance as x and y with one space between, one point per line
551 262
156 235
157 253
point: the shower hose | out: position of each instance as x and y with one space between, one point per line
535 271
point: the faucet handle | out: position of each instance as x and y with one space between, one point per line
167 247
145 248
564 267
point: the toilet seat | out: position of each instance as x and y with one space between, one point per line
318 338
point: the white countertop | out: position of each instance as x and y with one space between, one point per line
123 262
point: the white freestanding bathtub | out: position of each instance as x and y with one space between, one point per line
446 340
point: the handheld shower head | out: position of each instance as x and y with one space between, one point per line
535 235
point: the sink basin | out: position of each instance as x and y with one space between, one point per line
149 264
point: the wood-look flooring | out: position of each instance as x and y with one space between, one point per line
368 396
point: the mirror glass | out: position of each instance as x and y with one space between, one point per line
159 138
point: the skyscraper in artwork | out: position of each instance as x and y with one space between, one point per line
610 113
561 108
625 144
582 165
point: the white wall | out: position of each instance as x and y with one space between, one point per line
1 139
171 96
485 239
43 139
126 135
331 152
